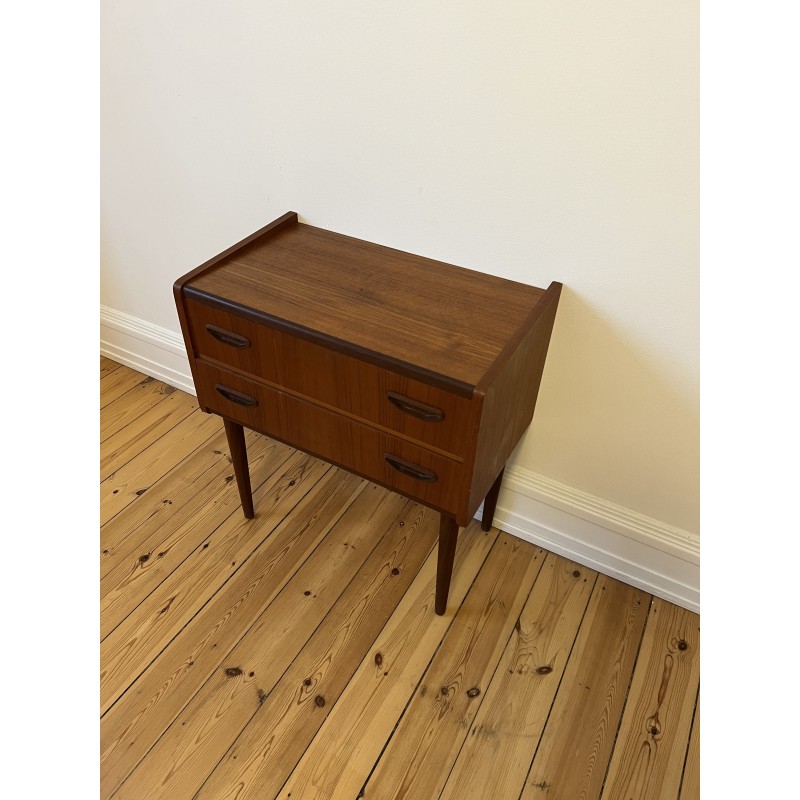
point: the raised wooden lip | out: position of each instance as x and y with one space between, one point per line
551 295
290 217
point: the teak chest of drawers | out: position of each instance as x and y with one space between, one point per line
418 375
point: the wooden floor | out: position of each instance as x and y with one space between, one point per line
297 655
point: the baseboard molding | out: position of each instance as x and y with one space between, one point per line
145 347
609 538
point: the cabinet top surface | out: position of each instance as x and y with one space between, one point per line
443 319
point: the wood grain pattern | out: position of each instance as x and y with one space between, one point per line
145 394
510 399
333 379
263 756
307 540
334 437
352 736
367 297
575 748
146 429
132 480
133 645
418 758
123 588
649 756
371 358
117 383
690 786
186 754
517 702
309 598
289 218
107 366
172 498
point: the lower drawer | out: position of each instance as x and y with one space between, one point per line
411 470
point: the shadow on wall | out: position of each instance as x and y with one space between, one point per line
616 419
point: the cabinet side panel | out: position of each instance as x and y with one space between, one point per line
510 400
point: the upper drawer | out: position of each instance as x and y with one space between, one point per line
425 413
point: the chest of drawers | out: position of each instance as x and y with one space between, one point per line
418 375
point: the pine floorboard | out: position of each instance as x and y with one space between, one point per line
107 366
297 655
129 406
690 787
125 441
118 382
585 715
517 701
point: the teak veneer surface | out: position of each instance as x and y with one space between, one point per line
442 319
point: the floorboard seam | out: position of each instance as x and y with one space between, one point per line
558 688
216 592
138 416
199 546
300 651
688 744
424 672
145 379
627 697
135 455
372 644
212 468
494 671
160 477
236 643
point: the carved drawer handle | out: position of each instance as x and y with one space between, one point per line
407 468
228 337
416 408
239 398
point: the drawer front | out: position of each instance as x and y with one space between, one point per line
405 467
432 416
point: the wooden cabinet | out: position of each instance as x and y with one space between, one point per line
418 375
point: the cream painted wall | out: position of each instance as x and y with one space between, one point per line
533 139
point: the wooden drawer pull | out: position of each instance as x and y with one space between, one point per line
240 398
416 408
228 337
407 468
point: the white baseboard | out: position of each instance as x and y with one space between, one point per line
614 540
609 538
145 347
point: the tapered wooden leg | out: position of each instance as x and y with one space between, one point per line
235 434
448 534
490 503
